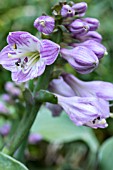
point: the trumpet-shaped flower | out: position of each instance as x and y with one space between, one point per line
88 111
99 89
26 56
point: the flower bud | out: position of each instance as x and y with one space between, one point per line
92 22
80 8
81 58
90 35
96 47
67 11
54 108
45 24
78 27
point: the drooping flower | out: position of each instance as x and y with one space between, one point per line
67 11
26 56
99 89
88 111
45 24
96 47
80 8
59 86
81 58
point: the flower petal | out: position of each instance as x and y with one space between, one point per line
49 51
23 42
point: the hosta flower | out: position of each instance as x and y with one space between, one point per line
80 8
90 35
99 89
45 24
26 56
67 11
59 86
81 58
88 111
96 47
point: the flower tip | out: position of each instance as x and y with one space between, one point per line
106 53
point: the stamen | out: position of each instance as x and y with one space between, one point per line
14 46
42 23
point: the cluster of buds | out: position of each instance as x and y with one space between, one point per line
75 38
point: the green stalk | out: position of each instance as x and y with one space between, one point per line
32 108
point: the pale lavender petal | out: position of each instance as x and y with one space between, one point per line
85 110
45 24
33 72
49 52
22 42
99 89
59 86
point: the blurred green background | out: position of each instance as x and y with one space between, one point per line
76 153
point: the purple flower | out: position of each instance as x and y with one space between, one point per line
82 26
45 24
88 111
67 11
99 89
96 47
91 35
81 58
78 27
5 129
34 138
11 89
3 109
92 22
59 86
80 8
26 56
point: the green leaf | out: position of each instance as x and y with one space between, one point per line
105 155
62 129
8 163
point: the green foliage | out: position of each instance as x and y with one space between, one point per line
105 156
8 163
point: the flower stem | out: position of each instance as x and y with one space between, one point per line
30 115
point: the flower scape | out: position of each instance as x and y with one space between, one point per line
66 37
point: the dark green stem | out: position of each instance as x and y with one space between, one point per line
32 107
